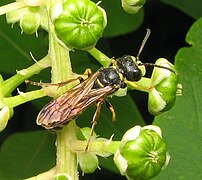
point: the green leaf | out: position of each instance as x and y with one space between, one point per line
26 154
119 21
192 8
182 124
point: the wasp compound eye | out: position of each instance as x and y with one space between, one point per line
129 68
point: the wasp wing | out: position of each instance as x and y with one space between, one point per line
69 105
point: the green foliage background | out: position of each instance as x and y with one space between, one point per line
26 150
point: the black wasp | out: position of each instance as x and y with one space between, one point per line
94 89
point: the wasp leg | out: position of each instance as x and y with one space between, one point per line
111 108
88 72
54 84
113 62
94 122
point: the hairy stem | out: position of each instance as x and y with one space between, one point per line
61 70
143 85
100 57
18 5
12 6
10 84
24 97
98 147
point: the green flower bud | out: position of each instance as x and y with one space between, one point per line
132 6
30 18
62 176
81 23
164 85
142 154
88 162
5 114
15 16
1 80
30 22
121 92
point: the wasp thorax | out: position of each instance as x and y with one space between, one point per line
109 76
129 68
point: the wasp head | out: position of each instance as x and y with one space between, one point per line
129 68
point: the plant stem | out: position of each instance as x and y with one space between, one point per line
100 57
66 158
10 84
61 70
18 5
97 147
11 7
24 97
142 85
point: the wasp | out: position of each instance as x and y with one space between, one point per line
95 89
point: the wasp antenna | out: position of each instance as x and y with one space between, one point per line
155 65
143 43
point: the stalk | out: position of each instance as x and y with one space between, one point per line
66 161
